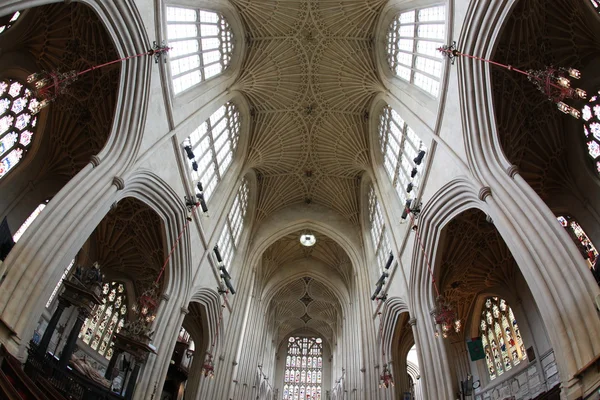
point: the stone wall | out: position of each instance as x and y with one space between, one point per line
537 378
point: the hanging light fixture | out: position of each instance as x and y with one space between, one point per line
50 84
385 379
445 316
555 83
307 239
208 368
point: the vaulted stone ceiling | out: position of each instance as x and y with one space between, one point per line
310 76
306 304
531 130
288 250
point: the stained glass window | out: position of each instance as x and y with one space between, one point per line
8 21
17 123
412 40
98 330
583 242
400 147
213 145
379 238
230 237
501 337
202 44
303 369
590 114
28 222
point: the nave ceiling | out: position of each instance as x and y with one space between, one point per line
309 75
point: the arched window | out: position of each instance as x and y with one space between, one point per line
108 319
303 369
8 21
412 40
403 153
202 44
232 231
38 210
583 242
590 113
17 123
379 239
210 148
500 337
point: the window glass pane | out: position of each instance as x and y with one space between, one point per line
208 38
17 123
213 144
500 337
28 222
303 375
421 63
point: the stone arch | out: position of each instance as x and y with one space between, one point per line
552 267
49 247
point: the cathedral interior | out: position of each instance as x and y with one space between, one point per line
299 199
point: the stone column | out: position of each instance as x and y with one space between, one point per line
62 305
111 364
132 380
67 351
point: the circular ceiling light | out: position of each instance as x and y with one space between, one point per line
308 239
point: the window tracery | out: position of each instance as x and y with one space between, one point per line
108 319
500 337
17 123
230 236
581 239
412 40
202 45
212 146
8 21
303 368
400 146
590 114
379 238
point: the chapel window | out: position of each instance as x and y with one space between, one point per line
403 153
109 318
500 337
581 239
590 113
201 44
379 239
17 123
303 368
8 21
38 210
211 146
412 40
232 231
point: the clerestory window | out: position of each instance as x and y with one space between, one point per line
201 44
8 21
412 42
211 146
379 238
232 231
581 239
403 153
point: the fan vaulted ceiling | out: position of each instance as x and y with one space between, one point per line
309 76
